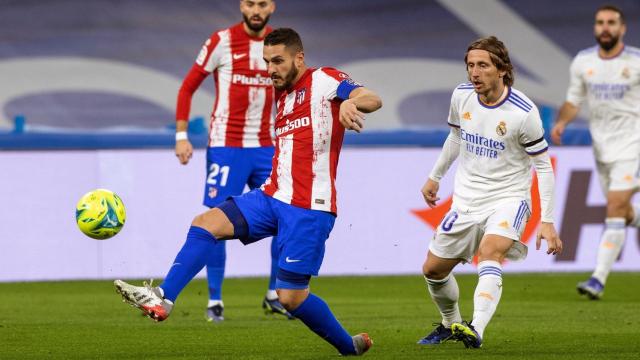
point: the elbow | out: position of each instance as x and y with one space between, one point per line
377 103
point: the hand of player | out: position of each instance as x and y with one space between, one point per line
430 192
548 232
350 117
556 133
184 151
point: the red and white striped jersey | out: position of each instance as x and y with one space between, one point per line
308 142
244 91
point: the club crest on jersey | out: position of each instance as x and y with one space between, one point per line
466 116
213 192
300 94
626 73
501 129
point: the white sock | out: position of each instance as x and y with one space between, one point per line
635 222
487 294
272 295
610 246
214 303
445 294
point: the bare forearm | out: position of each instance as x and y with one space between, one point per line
567 113
366 100
182 125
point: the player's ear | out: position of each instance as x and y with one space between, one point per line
299 58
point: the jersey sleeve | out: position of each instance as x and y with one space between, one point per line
532 134
210 55
454 115
341 86
577 91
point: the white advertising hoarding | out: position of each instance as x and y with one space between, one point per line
383 225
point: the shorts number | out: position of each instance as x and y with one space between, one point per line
447 223
215 170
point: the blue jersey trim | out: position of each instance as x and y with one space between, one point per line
453 125
498 104
521 100
345 88
537 152
519 105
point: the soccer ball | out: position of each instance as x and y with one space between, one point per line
100 214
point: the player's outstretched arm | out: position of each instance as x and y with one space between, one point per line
184 149
567 114
361 100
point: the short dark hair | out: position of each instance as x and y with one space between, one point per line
611 7
286 36
498 53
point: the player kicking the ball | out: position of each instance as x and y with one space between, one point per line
298 200
497 133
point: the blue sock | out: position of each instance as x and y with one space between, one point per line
315 313
215 269
275 255
189 261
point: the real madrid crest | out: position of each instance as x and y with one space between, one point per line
626 73
501 129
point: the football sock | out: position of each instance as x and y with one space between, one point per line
610 246
275 255
315 313
635 222
189 261
487 294
445 294
217 256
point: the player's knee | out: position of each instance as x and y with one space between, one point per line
432 273
292 288
618 208
215 222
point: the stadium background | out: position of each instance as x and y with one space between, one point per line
88 94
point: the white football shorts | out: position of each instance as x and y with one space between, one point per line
619 175
458 235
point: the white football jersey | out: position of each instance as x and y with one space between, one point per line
495 145
611 88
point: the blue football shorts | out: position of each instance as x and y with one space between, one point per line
229 169
301 232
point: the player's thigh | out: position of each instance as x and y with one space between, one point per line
624 175
215 222
507 221
256 210
302 234
457 237
227 173
261 159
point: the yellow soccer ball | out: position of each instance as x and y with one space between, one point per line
100 214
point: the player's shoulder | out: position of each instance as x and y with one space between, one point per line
464 87
520 101
332 73
588 52
462 91
632 51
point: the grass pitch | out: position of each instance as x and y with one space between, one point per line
540 316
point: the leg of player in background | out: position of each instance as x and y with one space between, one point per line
215 276
293 290
271 304
491 252
619 213
444 292
261 169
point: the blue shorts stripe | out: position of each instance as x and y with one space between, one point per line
520 210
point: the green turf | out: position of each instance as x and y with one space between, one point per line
539 317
